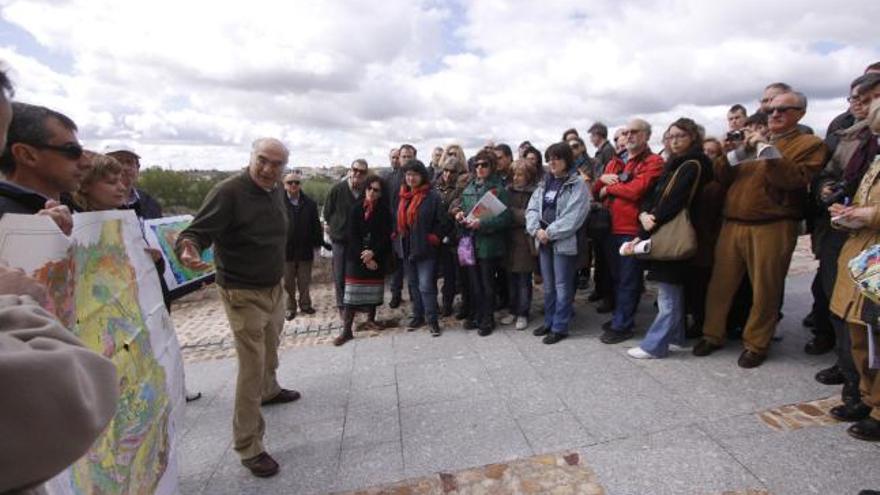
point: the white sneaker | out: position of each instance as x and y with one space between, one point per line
507 319
638 353
521 322
676 347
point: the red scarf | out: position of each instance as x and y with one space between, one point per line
410 200
369 206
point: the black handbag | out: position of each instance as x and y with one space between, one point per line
598 221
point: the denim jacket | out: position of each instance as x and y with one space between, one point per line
572 206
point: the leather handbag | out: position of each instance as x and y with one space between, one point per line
676 239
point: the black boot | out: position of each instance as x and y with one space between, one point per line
347 321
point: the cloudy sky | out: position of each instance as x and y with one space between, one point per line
191 83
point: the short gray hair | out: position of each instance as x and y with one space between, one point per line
644 125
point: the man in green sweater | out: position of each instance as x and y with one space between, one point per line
245 219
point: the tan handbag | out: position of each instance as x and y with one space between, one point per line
676 239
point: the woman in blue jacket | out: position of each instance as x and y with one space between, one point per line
556 211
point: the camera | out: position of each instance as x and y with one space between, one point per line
624 177
736 135
838 192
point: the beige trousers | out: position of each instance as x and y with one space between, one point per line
869 382
256 318
298 279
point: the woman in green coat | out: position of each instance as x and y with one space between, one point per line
489 238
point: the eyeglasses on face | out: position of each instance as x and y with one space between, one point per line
70 150
359 171
782 109
375 189
289 182
481 165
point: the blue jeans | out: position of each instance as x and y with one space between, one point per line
668 325
627 274
520 288
422 279
558 272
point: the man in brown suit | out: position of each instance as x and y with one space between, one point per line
766 189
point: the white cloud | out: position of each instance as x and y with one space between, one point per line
192 83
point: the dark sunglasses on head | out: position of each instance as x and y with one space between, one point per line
71 150
782 109
289 182
481 165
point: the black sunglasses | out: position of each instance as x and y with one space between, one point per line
289 182
782 109
71 150
375 189
358 170
482 165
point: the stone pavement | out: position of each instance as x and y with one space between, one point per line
409 414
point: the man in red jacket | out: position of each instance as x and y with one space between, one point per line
622 187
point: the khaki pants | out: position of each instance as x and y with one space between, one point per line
298 278
869 385
764 253
256 317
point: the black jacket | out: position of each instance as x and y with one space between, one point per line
304 232
14 199
423 240
145 207
373 234
666 208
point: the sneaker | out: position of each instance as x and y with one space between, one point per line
639 353
507 319
677 348
434 326
553 338
540 331
262 465
521 322
612 337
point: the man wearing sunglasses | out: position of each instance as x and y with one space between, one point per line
767 181
337 208
42 161
304 235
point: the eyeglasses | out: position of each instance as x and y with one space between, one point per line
853 99
71 150
356 170
782 109
481 165
289 182
375 189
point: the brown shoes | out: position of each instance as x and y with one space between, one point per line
749 359
261 466
704 348
342 338
282 397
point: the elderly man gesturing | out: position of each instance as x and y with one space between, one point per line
245 218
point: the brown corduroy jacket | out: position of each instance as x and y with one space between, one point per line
768 190
57 396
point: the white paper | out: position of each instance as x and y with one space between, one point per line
489 206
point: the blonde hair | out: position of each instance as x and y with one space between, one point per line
100 167
460 157
521 165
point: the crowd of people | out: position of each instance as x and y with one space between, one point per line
712 222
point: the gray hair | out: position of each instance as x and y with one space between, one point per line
644 125
265 142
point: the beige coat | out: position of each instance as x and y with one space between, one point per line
846 300
56 395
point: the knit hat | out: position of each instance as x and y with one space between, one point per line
419 168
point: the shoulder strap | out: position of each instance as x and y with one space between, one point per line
675 176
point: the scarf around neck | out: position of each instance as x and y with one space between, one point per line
410 200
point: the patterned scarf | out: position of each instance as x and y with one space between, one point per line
410 200
369 206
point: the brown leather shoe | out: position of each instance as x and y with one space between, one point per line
704 348
749 359
262 465
283 397
342 338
